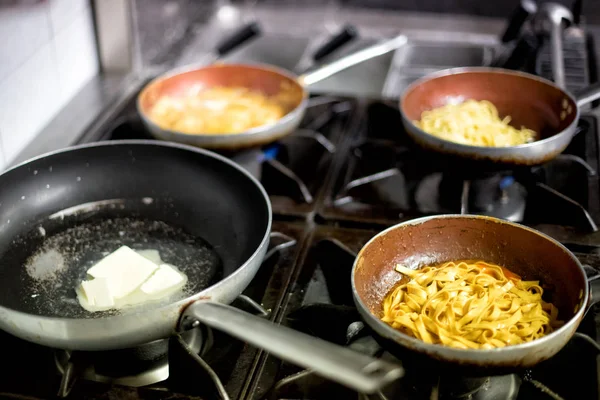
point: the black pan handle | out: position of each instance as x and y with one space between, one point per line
576 10
237 38
524 10
347 34
524 51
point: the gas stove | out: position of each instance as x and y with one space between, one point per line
347 173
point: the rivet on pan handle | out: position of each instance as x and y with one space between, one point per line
340 364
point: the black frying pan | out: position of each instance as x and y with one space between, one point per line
62 212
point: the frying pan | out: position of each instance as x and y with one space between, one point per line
438 239
291 92
530 101
61 212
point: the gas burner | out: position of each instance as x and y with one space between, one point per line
143 365
498 196
504 387
340 324
306 384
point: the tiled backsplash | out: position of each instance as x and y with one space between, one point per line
47 53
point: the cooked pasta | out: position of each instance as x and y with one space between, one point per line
218 110
474 123
469 306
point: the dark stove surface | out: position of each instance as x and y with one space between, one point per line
349 172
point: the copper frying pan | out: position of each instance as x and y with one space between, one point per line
437 239
290 91
531 101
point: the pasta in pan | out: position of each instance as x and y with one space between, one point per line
469 305
474 123
217 110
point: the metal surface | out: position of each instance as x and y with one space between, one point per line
548 110
556 15
588 95
348 367
116 36
49 178
432 240
290 91
350 60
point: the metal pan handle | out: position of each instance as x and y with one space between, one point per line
593 279
351 60
556 14
348 367
587 95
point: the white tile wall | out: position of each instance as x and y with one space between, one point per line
47 53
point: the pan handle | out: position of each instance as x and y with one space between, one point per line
587 95
238 37
556 14
517 19
593 278
348 367
341 38
351 60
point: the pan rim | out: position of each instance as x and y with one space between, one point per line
187 300
291 115
392 333
494 70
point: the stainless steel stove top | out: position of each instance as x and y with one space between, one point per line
349 172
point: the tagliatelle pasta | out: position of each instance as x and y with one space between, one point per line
474 123
469 305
